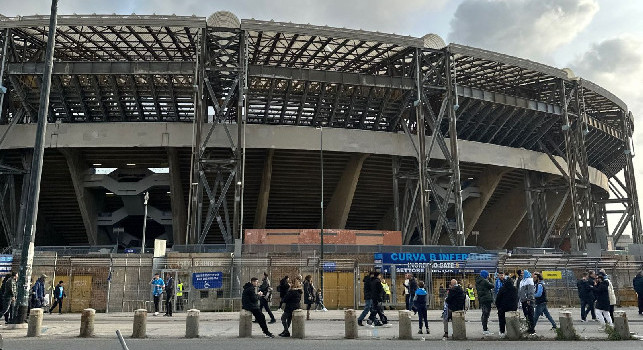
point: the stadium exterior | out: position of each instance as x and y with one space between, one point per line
448 144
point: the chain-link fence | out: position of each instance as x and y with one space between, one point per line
121 282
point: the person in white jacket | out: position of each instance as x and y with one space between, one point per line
526 297
610 291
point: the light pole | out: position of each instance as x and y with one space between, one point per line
146 198
321 208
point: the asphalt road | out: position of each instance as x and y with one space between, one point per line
296 344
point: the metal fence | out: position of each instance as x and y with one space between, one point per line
120 282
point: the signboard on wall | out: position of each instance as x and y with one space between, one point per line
552 275
5 263
207 280
438 262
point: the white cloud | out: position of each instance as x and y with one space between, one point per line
526 28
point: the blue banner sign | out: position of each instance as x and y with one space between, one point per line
330 266
437 262
5 263
207 280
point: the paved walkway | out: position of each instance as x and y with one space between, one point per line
324 325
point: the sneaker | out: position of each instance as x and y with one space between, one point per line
554 328
359 323
285 334
595 319
487 333
420 331
583 320
156 314
269 335
377 323
369 322
272 321
502 335
445 336
324 309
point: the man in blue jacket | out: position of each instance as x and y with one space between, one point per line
59 294
157 291
541 301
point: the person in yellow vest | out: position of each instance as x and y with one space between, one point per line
471 293
179 296
387 291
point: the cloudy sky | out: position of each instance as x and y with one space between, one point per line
600 40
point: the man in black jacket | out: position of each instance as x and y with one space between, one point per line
455 302
377 295
169 294
638 288
586 296
368 302
264 301
506 300
59 295
250 302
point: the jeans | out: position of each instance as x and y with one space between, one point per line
640 299
502 321
263 304
528 310
7 309
407 299
261 319
423 317
542 309
168 303
286 318
446 322
367 308
58 302
486 311
590 307
376 310
157 299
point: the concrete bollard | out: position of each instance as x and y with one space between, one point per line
298 324
35 323
404 324
350 324
245 324
622 325
192 324
512 328
459 326
140 324
567 330
87 323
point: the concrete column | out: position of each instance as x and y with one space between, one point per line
567 326
405 332
350 324
87 323
35 323
192 324
179 211
264 192
340 203
513 325
459 326
487 182
495 233
299 324
622 325
140 324
86 201
245 324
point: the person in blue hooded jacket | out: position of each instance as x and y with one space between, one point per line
540 296
419 302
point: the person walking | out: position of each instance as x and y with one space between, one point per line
250 302
59 295
485 298
526 297
10 292
610 291
157 290
637 283
407 295
601 293
38 293
420 306
471 293
319 301
368 301
309 294
377 295
292 301
264 301
282 288
506 301
591 280
540 297
442 293
413 286
169 294
586 296
454 301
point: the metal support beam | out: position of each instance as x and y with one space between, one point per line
86 201
105 68
264 192
487 183
336 213
179 211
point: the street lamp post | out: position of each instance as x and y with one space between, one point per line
146 198
321 208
